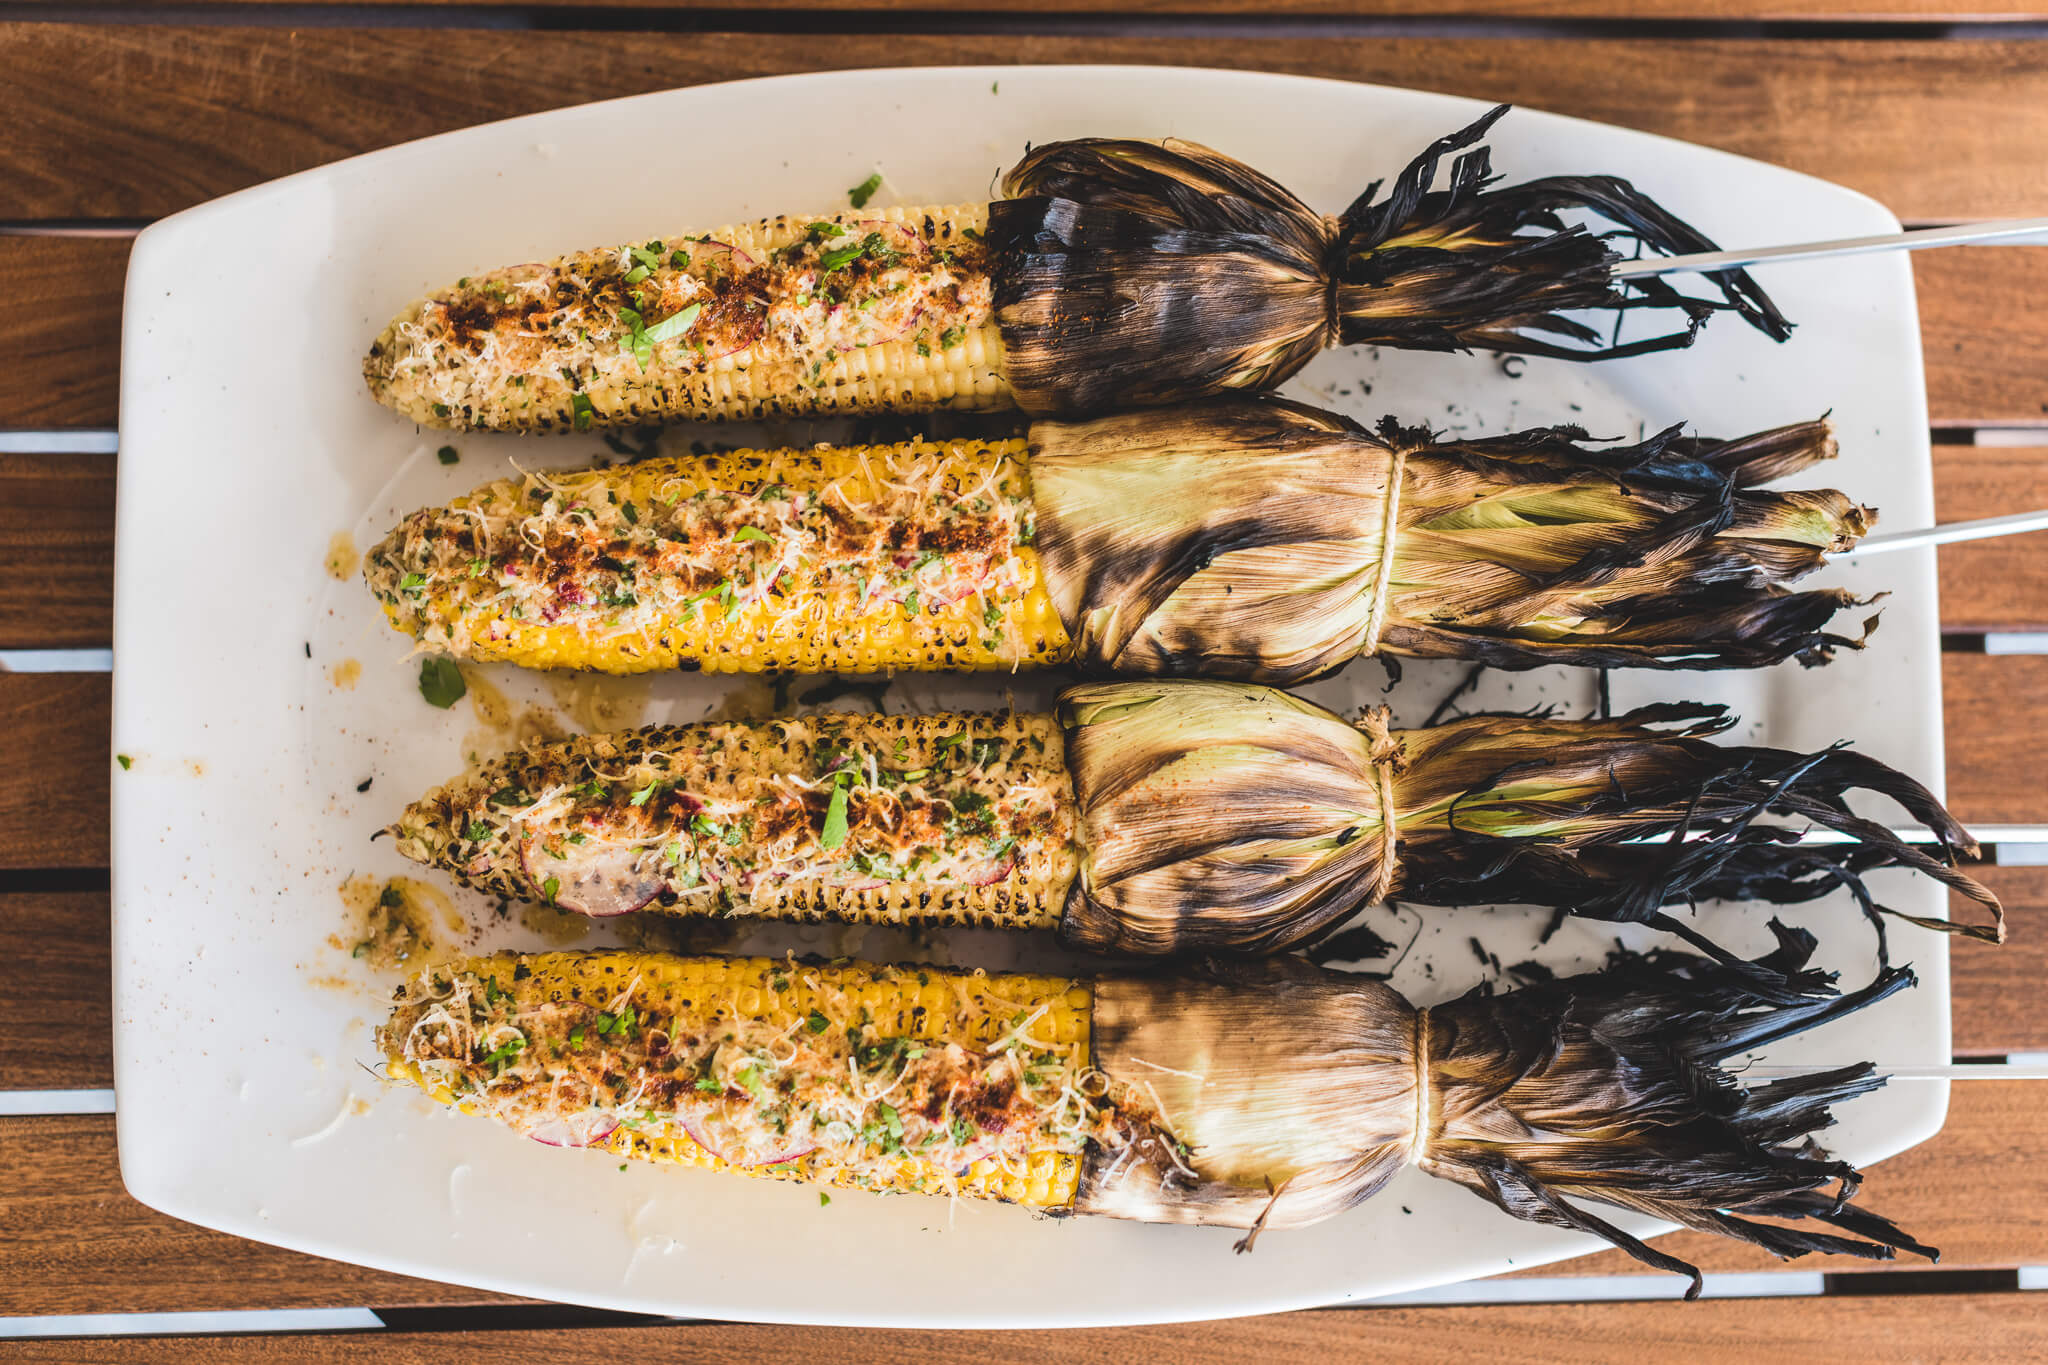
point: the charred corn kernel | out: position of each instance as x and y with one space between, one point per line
877 1078
859 311
860 559
947 819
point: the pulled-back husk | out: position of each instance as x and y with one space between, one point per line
1270 541
1297 1092
1131 273
1236 818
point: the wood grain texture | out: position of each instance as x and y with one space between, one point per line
56 551
73 1241
1997 1004
1957 1329
172 116
1983 322
118 1256
1984 331
1996 710
1992 584
54 1010
62 335
53 806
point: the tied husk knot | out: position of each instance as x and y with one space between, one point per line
1295 1093
1269 541
1139 273
1228 817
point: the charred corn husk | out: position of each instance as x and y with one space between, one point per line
1258 1096
1112 273
1165 817
824 560
1261 540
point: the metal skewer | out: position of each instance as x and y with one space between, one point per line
1708 262
1953 532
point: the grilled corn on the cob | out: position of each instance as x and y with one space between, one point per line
1262 1096
1260 540
1160 817
848 560
1113 273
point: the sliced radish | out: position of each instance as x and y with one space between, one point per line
578 1130
694 1126
1000 871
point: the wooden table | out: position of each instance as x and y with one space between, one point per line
118 113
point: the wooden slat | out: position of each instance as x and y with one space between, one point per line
56 551
62 335
132 122
1996 709
1993 584
115 1255
1985 333
1957 1329
73 1241
1998 1005
53 805
54 1014
1982 336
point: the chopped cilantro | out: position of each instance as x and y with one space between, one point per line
125 761
448 454
550 887
389 897
834 833
413 584
747 533
441 682
839 257
579 406
859 195
630 513
674 325
952 337
636 342
640 798
824 1199
817 1022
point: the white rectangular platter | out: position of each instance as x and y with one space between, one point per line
248 442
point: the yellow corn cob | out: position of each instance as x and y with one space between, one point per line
552 347
834 1009
833 524
693 819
